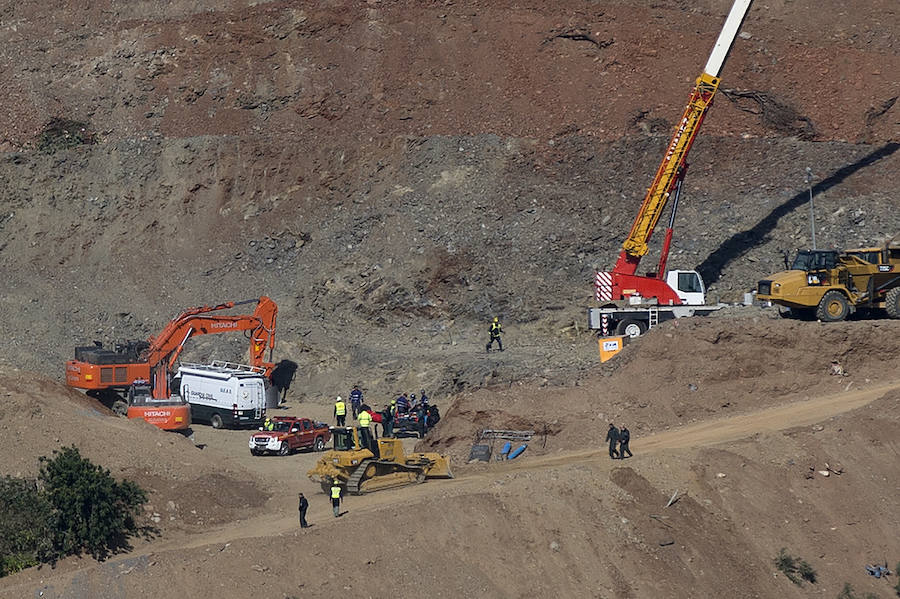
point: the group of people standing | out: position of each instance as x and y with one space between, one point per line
402 407
620 436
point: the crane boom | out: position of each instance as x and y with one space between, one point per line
636 244
622 280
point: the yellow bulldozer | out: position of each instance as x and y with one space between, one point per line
830 285
362 464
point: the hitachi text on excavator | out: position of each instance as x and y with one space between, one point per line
133 379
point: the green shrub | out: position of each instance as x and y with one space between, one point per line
796 570
25 535
806 572
61 134
847 593
92 512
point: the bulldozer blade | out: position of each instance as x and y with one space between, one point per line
440 469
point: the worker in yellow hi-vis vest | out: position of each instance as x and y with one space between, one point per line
495 331
365 433
340 412
336 497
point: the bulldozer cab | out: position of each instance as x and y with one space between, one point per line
348 438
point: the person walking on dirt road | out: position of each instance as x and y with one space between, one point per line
340 412
304 505
624 438
336 498
612 435
496 330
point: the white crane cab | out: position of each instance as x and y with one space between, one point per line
688 285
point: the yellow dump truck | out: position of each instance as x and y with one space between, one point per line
362 464
831 284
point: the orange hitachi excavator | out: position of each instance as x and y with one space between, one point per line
134 378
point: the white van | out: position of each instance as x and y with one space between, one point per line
224 394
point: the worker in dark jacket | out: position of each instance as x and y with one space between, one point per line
612 435
356 399
304 505
495 330
624 438
387 422
421 420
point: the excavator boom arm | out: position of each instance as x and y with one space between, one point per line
167 346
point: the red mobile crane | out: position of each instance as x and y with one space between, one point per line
663 295
142 367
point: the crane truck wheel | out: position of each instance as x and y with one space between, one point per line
834 307
892 302
216 421
631 328
120 408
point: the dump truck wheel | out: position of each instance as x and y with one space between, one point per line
892 302
834 307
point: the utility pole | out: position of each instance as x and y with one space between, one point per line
812 210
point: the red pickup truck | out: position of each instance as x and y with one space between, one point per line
289 434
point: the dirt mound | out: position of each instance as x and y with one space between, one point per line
681 372
186 486
579 521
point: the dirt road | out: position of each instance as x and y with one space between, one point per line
714 432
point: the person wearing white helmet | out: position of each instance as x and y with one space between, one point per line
340 411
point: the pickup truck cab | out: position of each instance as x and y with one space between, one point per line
289 434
